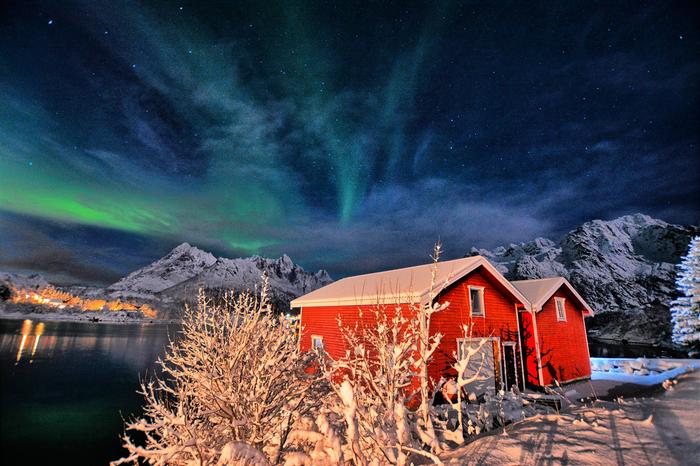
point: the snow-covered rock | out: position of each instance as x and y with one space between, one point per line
27 282
185 269
180 264
624 268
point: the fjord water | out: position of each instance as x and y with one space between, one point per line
66 387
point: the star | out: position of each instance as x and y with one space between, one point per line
51 22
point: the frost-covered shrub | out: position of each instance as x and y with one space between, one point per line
384 372
373 384
231 390
487 413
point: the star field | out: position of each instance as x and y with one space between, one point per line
349 136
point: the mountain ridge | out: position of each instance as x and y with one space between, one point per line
186 268
624 268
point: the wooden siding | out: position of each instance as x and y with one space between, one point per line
500 320
323 321
529 351
563 345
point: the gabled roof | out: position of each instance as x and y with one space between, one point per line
538 291
407 285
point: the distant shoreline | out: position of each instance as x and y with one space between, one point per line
89 317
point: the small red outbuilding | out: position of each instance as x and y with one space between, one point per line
479 296
554 332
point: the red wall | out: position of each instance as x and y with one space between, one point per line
527 331
563 345
500 320
323 321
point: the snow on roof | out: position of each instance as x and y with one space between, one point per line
406 285
538 291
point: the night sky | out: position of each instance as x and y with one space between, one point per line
350 137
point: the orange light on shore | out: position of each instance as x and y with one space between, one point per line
52 297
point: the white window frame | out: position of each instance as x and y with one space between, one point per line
314 346
480 289
561 313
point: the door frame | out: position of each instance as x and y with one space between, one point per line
514 346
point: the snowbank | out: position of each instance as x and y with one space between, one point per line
641 371
658 430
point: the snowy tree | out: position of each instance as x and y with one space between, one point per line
427 344
469 364
231 390
373 383
383 373
685 310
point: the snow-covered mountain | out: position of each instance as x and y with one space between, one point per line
624 268
27 282
181 264
185 269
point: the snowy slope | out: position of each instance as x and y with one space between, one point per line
624 268
28 282
180 264
184 270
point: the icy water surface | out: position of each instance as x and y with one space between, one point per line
65 386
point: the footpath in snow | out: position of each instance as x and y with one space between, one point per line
660 429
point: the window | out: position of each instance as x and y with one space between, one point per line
476 301
317 343
561 309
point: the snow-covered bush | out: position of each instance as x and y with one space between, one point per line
231 389
469 365
384 371
685 310
373 384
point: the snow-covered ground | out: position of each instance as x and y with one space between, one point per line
640 371
661 429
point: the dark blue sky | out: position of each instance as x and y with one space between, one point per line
348 136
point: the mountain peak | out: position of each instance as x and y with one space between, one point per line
181 248
186 268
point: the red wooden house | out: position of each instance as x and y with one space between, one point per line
479 296
554 332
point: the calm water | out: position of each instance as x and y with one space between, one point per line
63 394
599 349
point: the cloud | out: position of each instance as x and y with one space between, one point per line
69 253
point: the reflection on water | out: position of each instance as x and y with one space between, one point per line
26 333
67 387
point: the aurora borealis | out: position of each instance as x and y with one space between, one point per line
346 135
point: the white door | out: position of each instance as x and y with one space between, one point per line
481 365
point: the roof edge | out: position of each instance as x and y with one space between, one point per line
561 281
420 296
